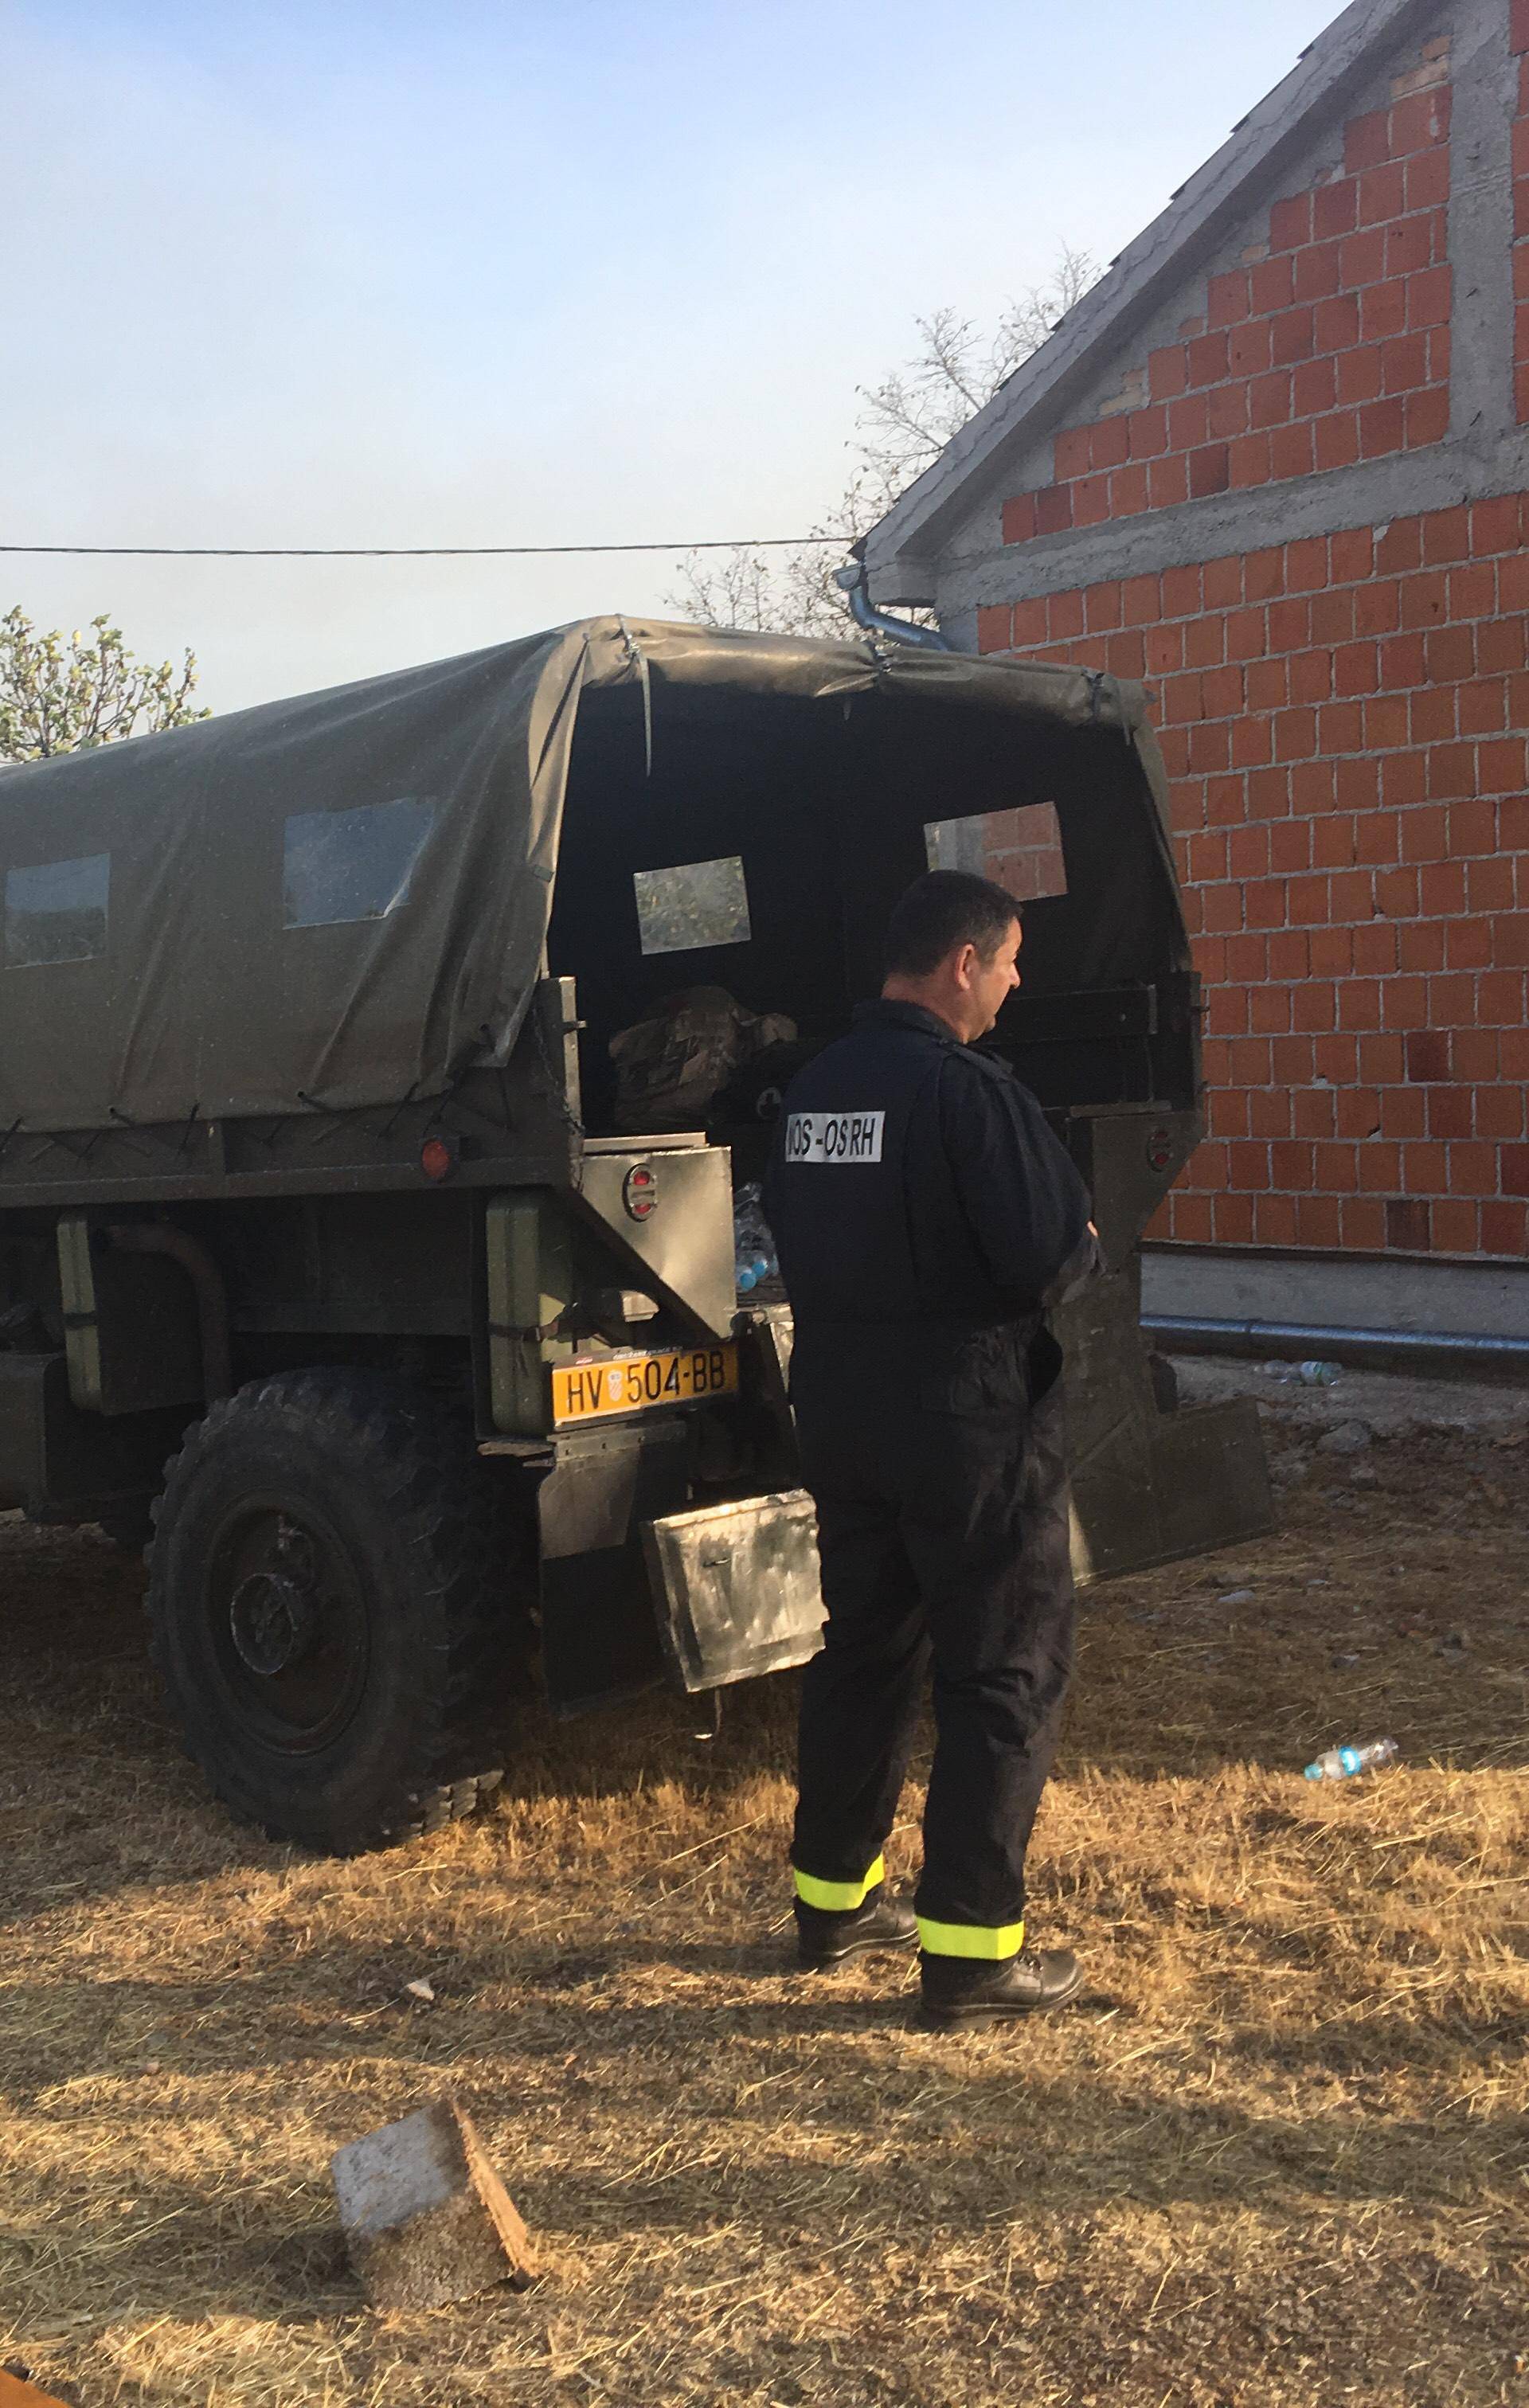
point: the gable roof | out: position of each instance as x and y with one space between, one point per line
902 547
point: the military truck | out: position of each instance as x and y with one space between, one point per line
332 1264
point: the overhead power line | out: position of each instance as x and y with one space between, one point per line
402 550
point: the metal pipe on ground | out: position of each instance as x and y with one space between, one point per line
1461 1353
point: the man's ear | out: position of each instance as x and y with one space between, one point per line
964 963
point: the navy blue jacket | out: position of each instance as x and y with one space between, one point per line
915 1180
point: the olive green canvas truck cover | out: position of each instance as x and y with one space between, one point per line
217 911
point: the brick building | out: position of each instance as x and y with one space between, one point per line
1277 464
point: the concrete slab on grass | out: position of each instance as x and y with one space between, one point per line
426 2218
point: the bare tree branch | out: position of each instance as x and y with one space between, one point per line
902 425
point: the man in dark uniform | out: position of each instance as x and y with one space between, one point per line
926 1217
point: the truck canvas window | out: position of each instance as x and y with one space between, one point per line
355 864
1020 850
697 903
57 911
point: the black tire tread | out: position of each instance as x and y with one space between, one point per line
450 1517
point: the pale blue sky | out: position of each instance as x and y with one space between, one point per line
498 271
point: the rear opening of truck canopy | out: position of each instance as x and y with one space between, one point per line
329 903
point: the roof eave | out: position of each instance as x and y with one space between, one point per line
902 549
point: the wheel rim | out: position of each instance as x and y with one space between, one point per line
286 1613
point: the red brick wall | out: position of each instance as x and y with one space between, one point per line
1329 344
1342 719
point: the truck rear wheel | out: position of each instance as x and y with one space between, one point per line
334 1610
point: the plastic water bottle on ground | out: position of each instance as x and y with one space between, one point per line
1342 1763
1317 1375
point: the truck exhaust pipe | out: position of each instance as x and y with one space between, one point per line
159 1238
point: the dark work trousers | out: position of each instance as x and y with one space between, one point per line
939 1477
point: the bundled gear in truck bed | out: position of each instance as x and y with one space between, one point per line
672 1065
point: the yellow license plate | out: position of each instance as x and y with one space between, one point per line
628 1384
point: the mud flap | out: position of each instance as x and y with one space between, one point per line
1181 1485
1150 1486
599 1641
737 1588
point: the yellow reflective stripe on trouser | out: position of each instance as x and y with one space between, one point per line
993 1941
837 1898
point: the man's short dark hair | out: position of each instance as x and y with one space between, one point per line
943 909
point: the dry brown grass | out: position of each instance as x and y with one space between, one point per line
1276 2157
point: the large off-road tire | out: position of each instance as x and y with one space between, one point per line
336 1606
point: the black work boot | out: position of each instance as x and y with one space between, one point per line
825 1940
962 1991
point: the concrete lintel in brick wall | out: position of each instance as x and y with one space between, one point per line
974 461
1402 485
1484 75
